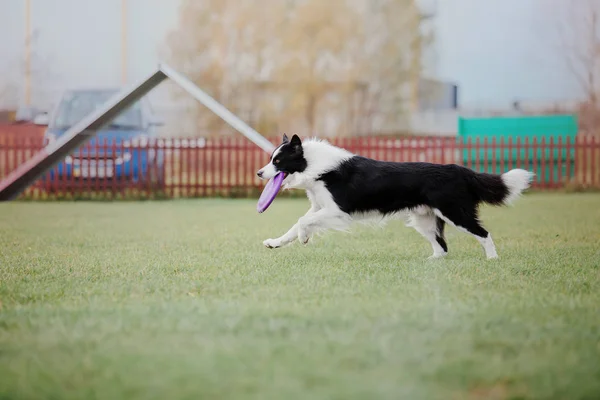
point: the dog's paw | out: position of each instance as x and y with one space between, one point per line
303 237
436 256
272 243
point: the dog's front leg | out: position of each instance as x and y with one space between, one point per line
290 235
321 220
286 238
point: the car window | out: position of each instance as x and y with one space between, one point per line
77 105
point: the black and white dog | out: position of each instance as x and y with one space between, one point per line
343 187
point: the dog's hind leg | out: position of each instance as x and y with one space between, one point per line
469 222
439 235
432 228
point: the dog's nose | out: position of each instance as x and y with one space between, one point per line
260 173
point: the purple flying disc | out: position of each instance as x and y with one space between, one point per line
270 192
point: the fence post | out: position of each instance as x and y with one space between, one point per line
569 148
552 180
526 148
478 153
486 160
543 160
595 163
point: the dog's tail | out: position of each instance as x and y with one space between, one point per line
501 189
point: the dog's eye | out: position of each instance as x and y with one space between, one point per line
276 161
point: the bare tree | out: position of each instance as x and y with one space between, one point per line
311 64
579 46
224 46
396 60
321 43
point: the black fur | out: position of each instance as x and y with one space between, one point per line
290 156
361 184
439 237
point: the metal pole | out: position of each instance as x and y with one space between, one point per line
28 39
123 42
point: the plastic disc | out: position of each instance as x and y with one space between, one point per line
270 192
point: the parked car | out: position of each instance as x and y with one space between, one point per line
120 150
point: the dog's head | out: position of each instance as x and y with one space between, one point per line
287 158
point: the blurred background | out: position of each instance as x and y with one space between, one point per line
352 67
336 68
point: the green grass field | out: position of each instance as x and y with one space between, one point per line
178 299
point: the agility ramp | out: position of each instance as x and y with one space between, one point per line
28 172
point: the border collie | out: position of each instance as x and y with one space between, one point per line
343 187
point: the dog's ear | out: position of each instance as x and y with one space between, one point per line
296 143
285 138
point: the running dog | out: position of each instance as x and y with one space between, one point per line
343 187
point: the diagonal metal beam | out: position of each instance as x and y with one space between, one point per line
218 109
26 174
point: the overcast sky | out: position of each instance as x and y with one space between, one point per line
496 50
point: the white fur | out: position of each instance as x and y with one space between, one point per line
373 218
487 243
324 213
517 180
488 246
424 222
269 171
321 157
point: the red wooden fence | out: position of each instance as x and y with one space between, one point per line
195 167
